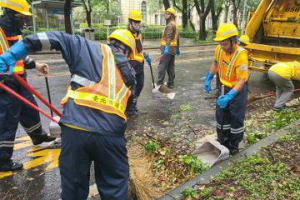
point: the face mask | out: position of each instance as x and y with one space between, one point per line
137 28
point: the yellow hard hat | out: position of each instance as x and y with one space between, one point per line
226 31
171 10
20 6
135 15
124 36
245 39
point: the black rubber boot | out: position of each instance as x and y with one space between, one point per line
40 138
11 166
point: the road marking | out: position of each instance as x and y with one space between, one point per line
38 155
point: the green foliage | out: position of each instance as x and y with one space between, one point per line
189 192
152 145
194 164
283 118
186 107
178 116
255 136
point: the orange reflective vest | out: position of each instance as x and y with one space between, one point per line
137 56
110 95
175 39
227 72
4 46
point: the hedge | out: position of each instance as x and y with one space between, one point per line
150 32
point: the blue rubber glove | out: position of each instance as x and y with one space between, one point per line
148 59
178 50
207 83
17 52
223 100
167 49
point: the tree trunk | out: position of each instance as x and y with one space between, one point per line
235 21
226 14
184 14
202 35
214 19
67 15
166 4
89 18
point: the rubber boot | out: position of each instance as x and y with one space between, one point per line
40 138
132 109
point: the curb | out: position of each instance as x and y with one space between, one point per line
215 170
153 47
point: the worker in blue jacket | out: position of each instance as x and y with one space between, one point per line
93 121
136 59
12 111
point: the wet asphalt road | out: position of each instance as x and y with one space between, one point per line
41 179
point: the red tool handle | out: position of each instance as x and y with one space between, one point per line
31 89
7 89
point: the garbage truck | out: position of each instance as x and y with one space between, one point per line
274 32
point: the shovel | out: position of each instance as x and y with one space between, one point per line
161 90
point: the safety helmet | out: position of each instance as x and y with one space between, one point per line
171 10
225 31
20 6
125 37
245 39
135 15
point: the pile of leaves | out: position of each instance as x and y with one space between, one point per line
273 173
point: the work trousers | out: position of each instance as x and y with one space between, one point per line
78 150
135 93
230 120
284 89
166 64
13 111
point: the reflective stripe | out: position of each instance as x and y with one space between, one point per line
237 131
95 98
82 80
230 67
32 128
3 42
122 93
125 37
7 142
228 32
46 46
6 145
111 72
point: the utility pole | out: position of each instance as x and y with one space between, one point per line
244 17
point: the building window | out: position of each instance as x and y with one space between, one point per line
162 19
144 10
156 19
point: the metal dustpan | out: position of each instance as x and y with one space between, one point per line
54 128
212 152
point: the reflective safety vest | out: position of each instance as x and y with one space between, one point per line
137 56
110 95
175 39
227 73
4 46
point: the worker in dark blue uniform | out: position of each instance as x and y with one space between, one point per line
12 111
136 60
93 121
